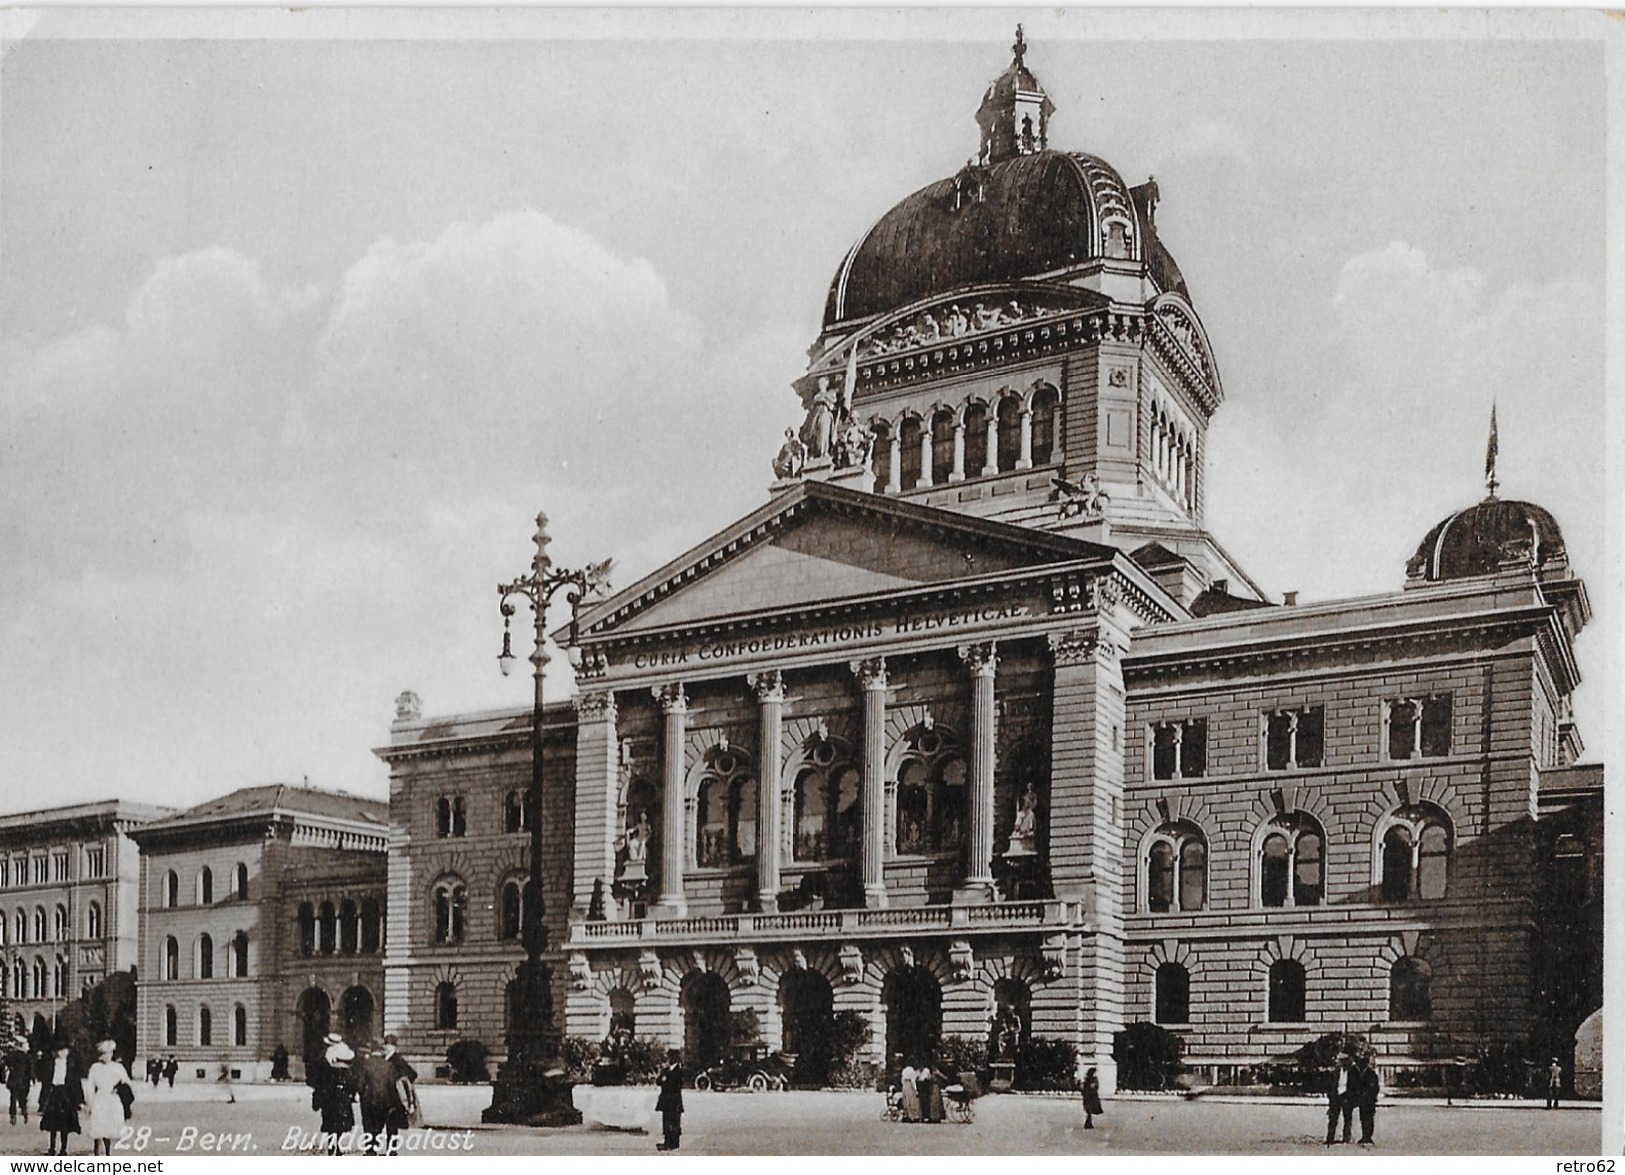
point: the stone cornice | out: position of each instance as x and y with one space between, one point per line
518 737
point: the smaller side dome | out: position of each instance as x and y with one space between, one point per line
1488 537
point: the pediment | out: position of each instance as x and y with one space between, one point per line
820 543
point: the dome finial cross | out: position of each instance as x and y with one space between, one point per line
1020 47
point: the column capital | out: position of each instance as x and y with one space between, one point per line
769 685
673 698
980 658
1081 646
594 707
870 672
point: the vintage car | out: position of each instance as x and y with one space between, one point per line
750 1067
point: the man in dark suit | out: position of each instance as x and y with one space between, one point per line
1366 1087
1340 1099
670 1103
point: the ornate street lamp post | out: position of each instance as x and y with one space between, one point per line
530 1087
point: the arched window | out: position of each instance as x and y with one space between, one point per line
931 811
1291 862
882 455
205 957
239 955
372 928
39 979
242 882
908 456
828 821
1287 992
1176 869
459 817
1045 401
19 979
205 1026
515 812
172 890
726 834
21 924
239 1026
349 928
307 929
942 447
171 1035
59 924
1409 997
205 886
450 900
327 920
1173 994
442 816
975 439
39 924
1414 854
1009 433
59 978
172 958
93 921
445 1006
509 914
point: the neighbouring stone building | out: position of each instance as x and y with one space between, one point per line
68 902
974 725
262 924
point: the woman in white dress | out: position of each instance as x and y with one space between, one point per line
106 1120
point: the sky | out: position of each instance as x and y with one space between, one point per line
304 317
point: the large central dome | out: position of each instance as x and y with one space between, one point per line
1029 215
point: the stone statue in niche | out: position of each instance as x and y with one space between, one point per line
792 458
637 839
818 430
1024 833
1006 1035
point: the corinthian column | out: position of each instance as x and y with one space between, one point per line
1025 461
982 661
894 471
769 689
871 675
673 840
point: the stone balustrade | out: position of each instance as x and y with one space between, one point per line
858 923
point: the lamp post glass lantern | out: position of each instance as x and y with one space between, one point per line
530 1087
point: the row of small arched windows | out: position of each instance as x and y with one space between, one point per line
451 814
449 909
203 965
203 886
345 929
949 446
52 929
1290 866
39 980
1409 992
203 1024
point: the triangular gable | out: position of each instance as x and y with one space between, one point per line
818 543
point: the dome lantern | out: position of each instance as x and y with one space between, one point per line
1015 111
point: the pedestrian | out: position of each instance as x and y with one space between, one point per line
1366 1086
930 1093
910 1082
155 1071
18 1081
105 1101
670 1103
403 1109
1340 1099
171 1067
372 1091
1091 1098
335 1091
59 1102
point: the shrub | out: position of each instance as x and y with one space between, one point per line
1500 1068
466 1059
743 1027
1047 1063
578 1055
961 1054
1147 1056
857 1075
643 1057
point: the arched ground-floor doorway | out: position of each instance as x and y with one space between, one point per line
807 1005
315 1019
706 1004
912 1000
356 1012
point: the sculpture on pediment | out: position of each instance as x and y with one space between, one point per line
1083 498
854 448
792 458
818 430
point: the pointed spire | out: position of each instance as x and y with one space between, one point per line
1490 453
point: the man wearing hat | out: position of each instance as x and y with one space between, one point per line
670 1103
335 1090
1554 1083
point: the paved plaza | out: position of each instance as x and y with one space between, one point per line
262 1117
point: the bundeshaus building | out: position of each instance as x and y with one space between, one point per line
974 719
